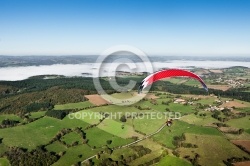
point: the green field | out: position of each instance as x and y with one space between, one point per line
79 105
43 129
210 147
243 136
247 109
166 135
185 81
9 116
248 131
4 162
115 128
192 82
123 95
173 161
148 126
72 137
146 158
184 109
122 98
208 101
37 114
199 120
93 135
109 125
116 154
240 122
175 107
56 147
3 148
72 155
175 80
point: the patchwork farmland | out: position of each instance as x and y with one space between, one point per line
213 129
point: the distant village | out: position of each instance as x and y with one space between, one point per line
217 107
125 73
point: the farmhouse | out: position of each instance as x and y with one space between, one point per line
180 101
214 108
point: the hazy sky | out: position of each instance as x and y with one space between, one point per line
166 27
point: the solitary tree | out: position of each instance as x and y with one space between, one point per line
109 142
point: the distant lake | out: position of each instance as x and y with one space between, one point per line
87 69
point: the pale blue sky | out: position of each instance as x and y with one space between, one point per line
158 27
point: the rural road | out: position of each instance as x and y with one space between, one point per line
139 140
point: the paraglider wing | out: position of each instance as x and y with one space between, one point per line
169 73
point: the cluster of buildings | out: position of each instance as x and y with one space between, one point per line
182 101
214 108
209 108
232 82
125 73
235 83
